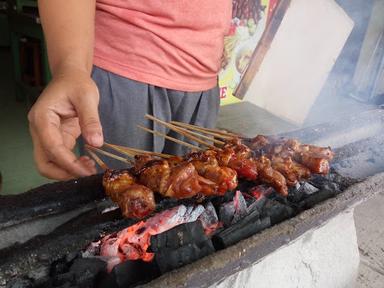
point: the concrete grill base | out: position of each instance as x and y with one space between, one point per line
323 257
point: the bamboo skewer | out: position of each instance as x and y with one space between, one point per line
170 138
214 132
162 155
178 130
133 151
203 136
121 150
97 159
108 154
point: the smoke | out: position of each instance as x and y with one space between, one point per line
356 81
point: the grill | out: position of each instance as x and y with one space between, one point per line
54 224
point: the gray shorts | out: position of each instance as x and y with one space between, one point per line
124 102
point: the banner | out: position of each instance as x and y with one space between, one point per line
250 18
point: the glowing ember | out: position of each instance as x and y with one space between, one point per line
260 191
133 242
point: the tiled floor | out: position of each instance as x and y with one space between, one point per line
16 160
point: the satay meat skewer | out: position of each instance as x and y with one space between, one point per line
135 200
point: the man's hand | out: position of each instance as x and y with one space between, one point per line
67 108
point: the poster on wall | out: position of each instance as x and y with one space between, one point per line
250 19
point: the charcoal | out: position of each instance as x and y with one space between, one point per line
169 259
67 285
257 205
239 231
181 245
59 266
49 199
342 181
71 256
179 236
193 212
39 275
218 201
129 274
227 210
332 181
51 250
86 270
277 211
245 185
208 218
20 283
64 279
316 198
240 207
307 188
301 191
240 225
167 203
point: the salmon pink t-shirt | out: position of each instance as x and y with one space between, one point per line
175 44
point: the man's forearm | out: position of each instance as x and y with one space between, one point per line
69 33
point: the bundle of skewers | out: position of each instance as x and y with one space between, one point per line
210 169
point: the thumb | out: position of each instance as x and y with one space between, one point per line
87 110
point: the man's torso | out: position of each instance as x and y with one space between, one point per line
174 44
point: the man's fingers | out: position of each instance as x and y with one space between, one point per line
87 111
89 163
51 171
51 145
45 167
65 158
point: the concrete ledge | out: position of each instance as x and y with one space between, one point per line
325 257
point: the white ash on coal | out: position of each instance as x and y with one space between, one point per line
209 219
133 242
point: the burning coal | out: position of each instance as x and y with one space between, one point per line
133 242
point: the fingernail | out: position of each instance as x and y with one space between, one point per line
96 140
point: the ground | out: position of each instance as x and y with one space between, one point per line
19 173
369 219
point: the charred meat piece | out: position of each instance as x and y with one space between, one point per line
271 176
183 182
175 178
258 142
291 170
207 166
224 178
285 167
317 152
316 165
302 172
134 200
239 161
137 201
314 158
155 175
116 182
174 161
241 151
141 161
